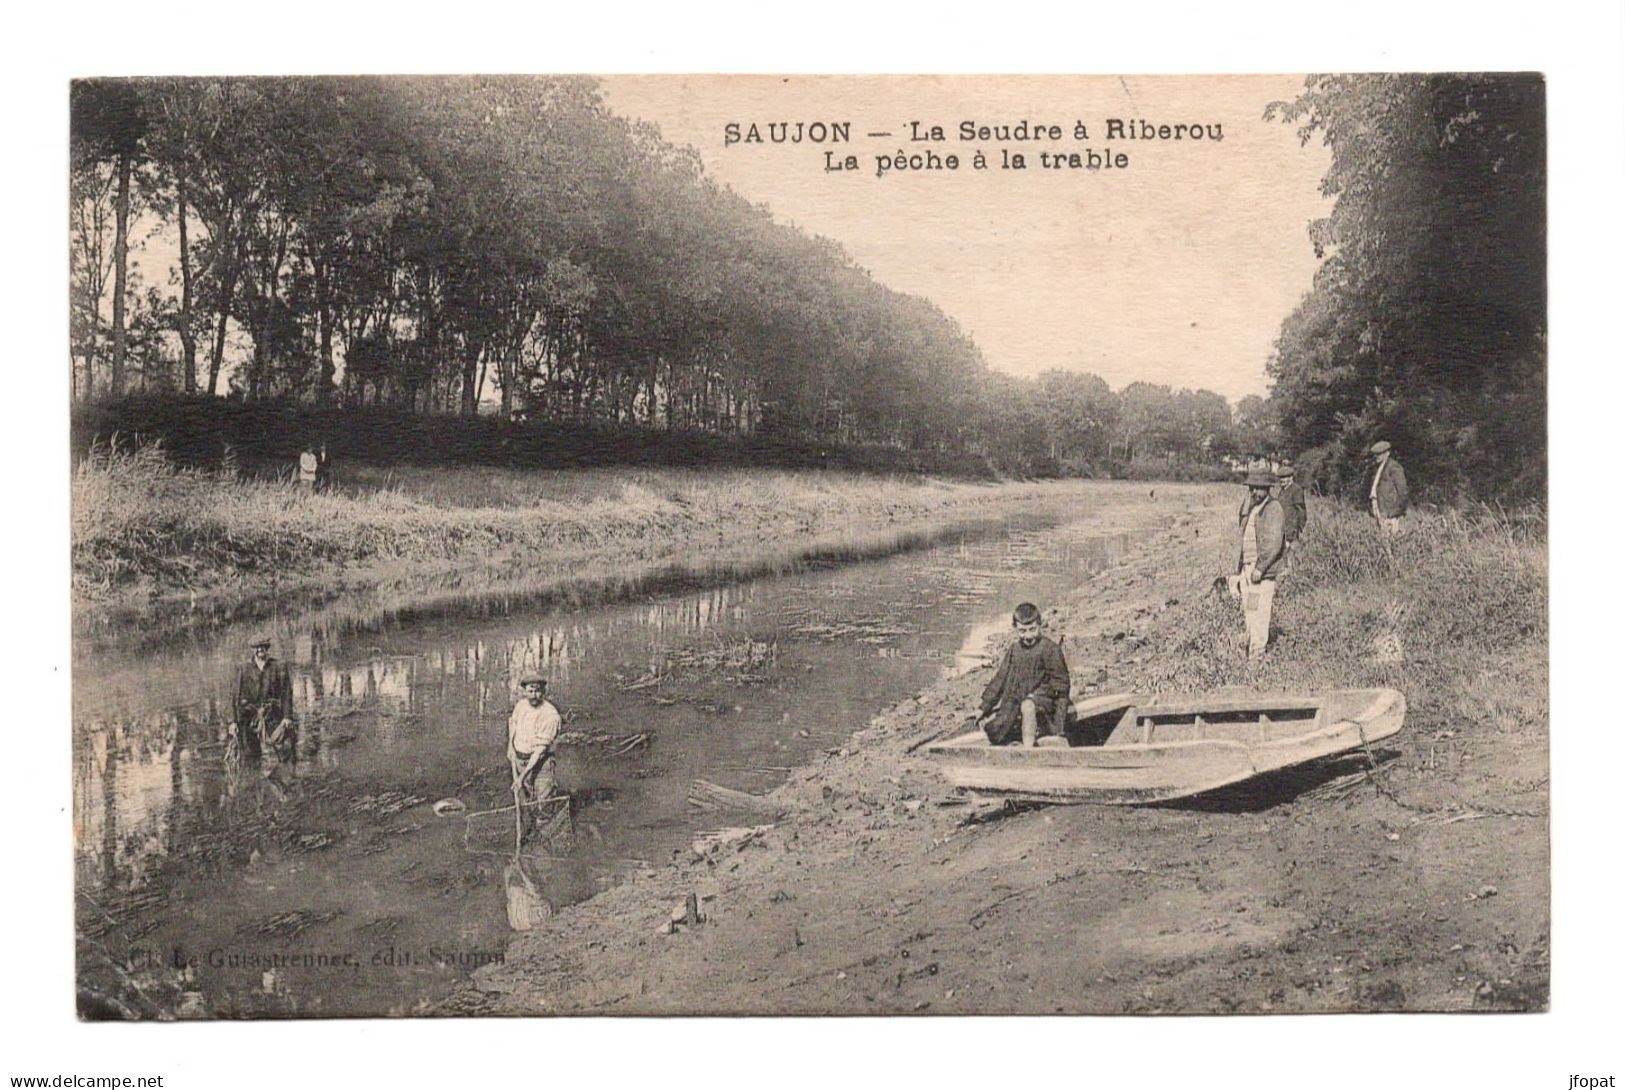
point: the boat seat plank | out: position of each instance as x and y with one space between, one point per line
1244 705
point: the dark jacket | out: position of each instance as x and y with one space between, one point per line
1039 670
1269 533
1393 496
1296 509
270 685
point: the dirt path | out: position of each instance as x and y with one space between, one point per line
881 891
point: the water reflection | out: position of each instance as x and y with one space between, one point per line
393 716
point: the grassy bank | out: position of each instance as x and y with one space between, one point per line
146 529
1436 606
1417 882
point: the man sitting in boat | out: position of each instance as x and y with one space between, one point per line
1030 687
532 729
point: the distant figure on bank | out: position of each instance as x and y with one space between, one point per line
1263 550
1030 688
1389 495
1294 507
324 470
532 729
309 464
263 684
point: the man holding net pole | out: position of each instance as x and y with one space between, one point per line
532 729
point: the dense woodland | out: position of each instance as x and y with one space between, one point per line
1427 322
508 247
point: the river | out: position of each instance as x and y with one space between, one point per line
332 887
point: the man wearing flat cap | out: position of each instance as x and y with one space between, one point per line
263 683
1263 551
532 729
1388 493
1294 506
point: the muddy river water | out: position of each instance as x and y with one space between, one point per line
332 887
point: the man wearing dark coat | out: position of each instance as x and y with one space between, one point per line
1031 687
264 681
1293 505
1388 491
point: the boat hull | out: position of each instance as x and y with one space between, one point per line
1164 752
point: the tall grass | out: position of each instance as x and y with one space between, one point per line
142 522
1456 596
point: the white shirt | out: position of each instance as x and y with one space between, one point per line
533 728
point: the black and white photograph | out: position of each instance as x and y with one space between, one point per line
979 545
649 560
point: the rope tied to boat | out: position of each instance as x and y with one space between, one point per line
1387 792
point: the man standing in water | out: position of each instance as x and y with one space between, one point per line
532 729
1389 494
1263 548
263 684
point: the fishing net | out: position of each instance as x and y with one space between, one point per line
542 827
527 908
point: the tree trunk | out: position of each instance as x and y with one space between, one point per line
471 376
671 394
324 328
188 334
121 241
90 353
228 287
268 314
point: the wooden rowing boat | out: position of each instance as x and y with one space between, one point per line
1123 750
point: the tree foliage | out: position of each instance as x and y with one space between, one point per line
1426 324
510 245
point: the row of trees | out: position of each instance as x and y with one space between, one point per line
1427 321
439 243
434 239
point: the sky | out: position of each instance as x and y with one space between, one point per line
1176 269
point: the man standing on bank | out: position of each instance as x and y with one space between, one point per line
309 467
1294 506
1263 550
263 685
1389 495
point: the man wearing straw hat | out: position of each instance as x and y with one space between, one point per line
532 729
1263 549
1389 495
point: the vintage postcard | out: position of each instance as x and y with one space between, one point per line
811 545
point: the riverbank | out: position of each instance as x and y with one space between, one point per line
1420 885
167 549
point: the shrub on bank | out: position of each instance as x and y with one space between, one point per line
267 436
1169 469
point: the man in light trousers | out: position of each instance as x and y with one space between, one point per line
1263 552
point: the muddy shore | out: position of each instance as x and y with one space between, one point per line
878 890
